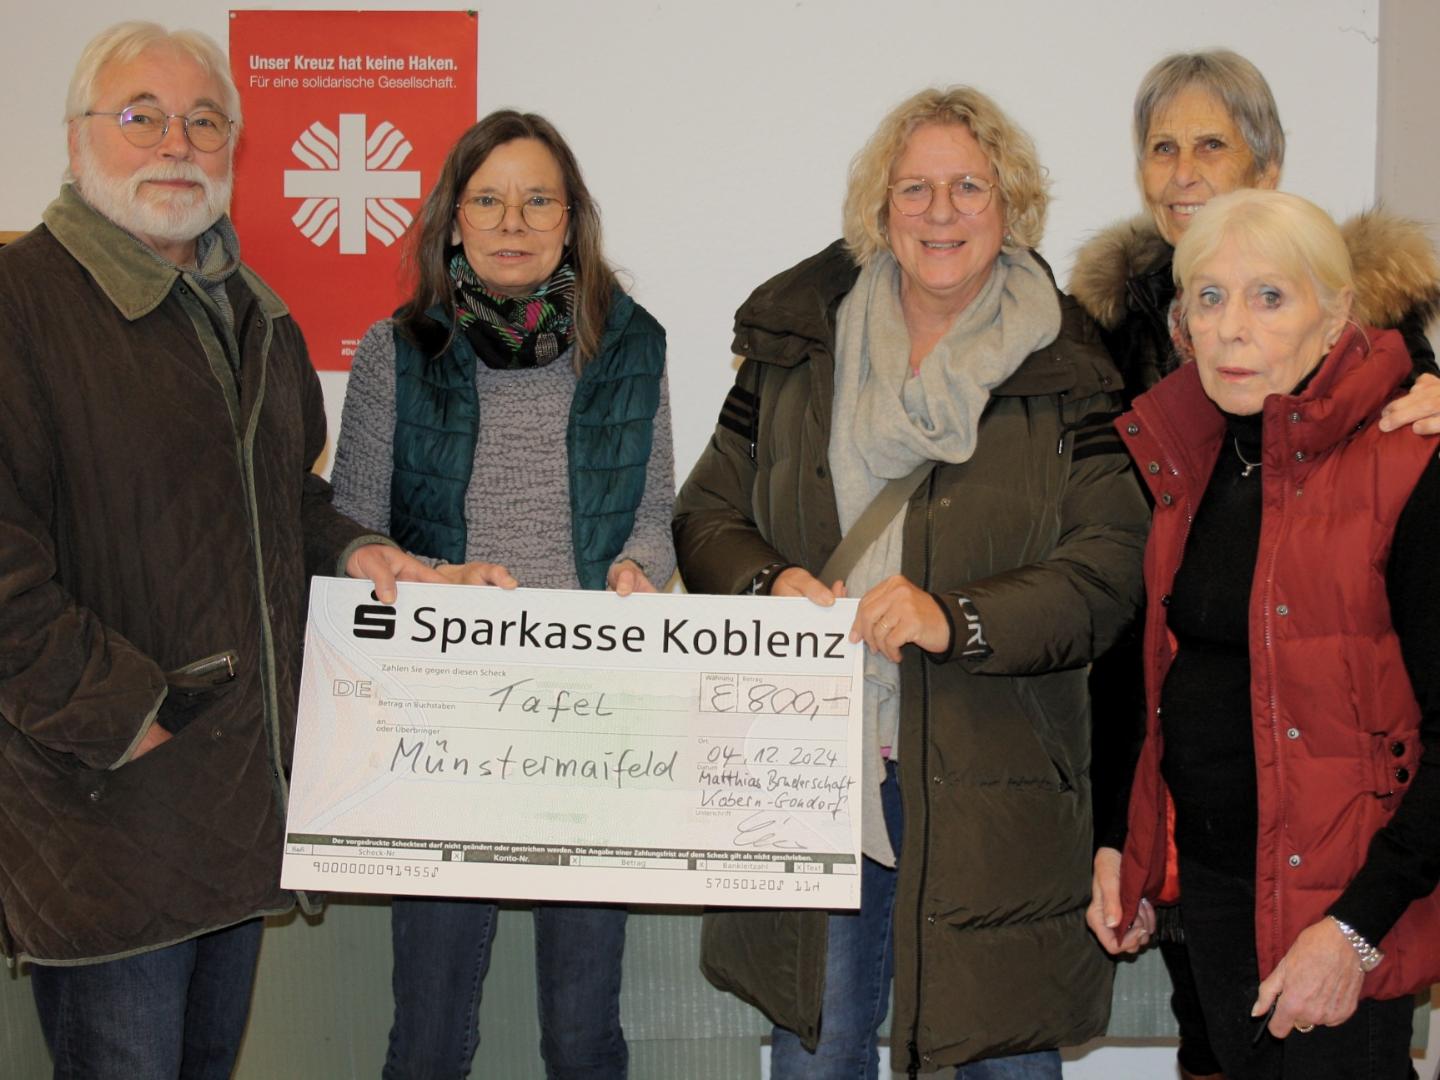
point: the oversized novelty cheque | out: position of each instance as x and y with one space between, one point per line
556 745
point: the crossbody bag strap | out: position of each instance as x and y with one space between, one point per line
871 523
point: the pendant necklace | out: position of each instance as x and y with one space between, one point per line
1250 466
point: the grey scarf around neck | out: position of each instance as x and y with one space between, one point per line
217 256
886 421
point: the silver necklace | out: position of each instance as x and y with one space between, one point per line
1250 466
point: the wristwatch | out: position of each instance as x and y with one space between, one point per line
1368 954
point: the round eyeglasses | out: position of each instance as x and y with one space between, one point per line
912 196
485 212
146 126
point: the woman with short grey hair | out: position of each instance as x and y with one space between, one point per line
1206 123
1232 81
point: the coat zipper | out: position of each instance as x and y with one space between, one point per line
1273 706
1163 831
912 1068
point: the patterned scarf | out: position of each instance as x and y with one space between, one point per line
515 331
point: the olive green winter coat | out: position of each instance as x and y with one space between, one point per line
1043 531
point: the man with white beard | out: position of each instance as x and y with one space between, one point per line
158 523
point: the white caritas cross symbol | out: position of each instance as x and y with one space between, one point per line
352 183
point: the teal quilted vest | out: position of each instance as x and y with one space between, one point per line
607 440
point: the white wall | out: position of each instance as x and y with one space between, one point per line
1408 152
716 136
1407 161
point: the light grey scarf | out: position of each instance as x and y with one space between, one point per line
217 256
886 421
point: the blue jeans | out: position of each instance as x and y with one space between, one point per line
442 952
175 1012
859 965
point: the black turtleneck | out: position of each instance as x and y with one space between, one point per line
1209 762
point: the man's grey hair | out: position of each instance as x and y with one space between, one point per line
125 41
1234 81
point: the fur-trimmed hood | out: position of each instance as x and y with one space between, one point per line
1108 260
1397 273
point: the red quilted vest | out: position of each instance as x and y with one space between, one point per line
1336 724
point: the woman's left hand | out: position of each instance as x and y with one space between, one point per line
1317 982
626 577
896 613
1420 408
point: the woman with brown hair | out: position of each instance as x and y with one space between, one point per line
512 423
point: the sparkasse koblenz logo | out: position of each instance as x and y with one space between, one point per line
374 620
352 183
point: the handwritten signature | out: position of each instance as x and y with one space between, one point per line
752 833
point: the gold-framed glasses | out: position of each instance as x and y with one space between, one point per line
484 212
912 195
144 126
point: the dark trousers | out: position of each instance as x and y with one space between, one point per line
1195 1055
442 953
174 1012
1374 1044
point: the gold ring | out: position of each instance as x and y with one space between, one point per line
1304 1029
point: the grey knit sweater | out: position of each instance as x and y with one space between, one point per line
517 504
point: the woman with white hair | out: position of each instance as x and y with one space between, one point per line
1293 701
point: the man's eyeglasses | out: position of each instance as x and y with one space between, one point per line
146 126
485 212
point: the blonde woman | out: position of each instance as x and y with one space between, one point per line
1294 705
933 337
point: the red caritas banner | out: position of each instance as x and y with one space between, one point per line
348 116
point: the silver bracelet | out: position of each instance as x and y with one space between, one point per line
1368 955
